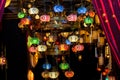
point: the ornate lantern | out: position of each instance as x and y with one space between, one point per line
34 40
45 74
91 13
69 74
73 38
82 10
21 14
46 66
42 48
2 60
67 42
63 47
30 75
25 21
33 10
32 49
45 18
58 8
64 66
72 17
53 74
78 47
34 59
88 20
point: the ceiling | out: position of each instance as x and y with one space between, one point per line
44 5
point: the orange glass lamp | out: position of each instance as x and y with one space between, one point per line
69 74
63 47
45 74
2 60
30 75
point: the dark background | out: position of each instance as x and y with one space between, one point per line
17 58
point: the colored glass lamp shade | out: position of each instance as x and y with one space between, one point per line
78 47
25 21
34 40
45 18
69 74
72 17
2 60
46 66
21 15
33 10
64 66
63 47
82 10
53 74
42 48
45 74
58 8
30 75
88 20
67 42
73 38
32 49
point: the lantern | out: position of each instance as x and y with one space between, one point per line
65 34
91 13
32 49
58 8
88 20
97 20
67 42
34 59
45 18
21 15
82 10
53 74
46 66
64 66
2 60
72 17
34 40
73 38
69 74
30 75
51 38
42 48
33 10
78 47
25 21
45 74
63 47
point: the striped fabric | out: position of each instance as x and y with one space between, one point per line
109 14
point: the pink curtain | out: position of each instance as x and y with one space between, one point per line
2 4
109 14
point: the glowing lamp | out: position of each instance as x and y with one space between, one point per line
2 60
72 17
42 48
67 42
30 75
46 66
53 74
63 47
91 13
64 66
88 20
33 10
58 8
45 74
51 38
21 15
34 40
79 47
25 21
73 38
69 74
32 49
45 18
82 10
